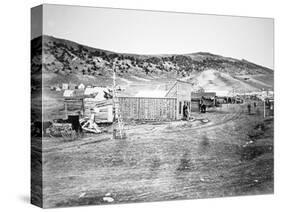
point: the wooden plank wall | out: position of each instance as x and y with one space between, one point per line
141 108
195 106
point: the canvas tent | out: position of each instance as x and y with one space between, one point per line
68 93
81 86
97 92
58 89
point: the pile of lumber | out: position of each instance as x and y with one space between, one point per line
60 129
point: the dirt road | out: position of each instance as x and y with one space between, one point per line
231 154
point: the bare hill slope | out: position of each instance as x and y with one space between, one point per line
67 61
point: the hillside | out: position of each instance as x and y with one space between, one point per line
67 61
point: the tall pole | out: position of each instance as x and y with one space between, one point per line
117 113
264 108
114 87
114 76
263 103
113 100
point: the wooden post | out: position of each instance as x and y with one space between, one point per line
189 114
83 107
138 106
65 108
178 102
263 108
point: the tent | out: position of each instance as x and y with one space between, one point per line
68 93
58 89
99 93
81 86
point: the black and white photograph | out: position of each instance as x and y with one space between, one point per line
131 106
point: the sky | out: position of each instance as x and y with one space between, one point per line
150 32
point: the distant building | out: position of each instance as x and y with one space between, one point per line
199 95
81 86
79 93
72 86
65 86
209 99
68 93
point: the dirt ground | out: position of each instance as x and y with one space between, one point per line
229 154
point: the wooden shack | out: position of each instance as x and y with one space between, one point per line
65 86
166 108
148 108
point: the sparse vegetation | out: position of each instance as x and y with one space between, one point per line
63 54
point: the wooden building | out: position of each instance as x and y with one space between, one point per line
148 108
65 86
165 108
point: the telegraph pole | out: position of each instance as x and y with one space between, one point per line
116 110
263 103
264 108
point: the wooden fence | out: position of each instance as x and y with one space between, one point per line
142 108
